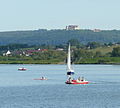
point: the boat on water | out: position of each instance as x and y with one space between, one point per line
70 72
22 69
42 78
77 81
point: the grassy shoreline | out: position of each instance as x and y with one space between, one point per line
98 60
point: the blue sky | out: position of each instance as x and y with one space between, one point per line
56 14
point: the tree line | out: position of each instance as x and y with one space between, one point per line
56 37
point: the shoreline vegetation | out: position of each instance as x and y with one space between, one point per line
99 60
90 53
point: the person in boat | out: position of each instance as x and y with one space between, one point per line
82 79
43 78
79 78
70 79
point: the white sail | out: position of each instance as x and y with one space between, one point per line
69 68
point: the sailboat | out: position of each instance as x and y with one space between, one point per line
70 72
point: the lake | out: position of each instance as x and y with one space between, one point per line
19 90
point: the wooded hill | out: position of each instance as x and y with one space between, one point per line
55 37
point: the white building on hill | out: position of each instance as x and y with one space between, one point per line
7 53
72 27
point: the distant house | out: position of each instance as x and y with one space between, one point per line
7 53
96 30
59 49
30 52
39 50
24 52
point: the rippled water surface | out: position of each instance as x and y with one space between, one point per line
18 89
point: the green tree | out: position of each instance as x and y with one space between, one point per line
93 45
80 54
74 42
116 52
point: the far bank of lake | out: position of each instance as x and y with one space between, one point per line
97 60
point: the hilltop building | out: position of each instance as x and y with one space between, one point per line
96 30
72 27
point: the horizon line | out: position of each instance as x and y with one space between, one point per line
54 29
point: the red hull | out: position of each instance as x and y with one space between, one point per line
75 82
22 69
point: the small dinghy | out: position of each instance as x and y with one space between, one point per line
42 78
22 69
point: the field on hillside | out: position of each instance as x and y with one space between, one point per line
104 50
